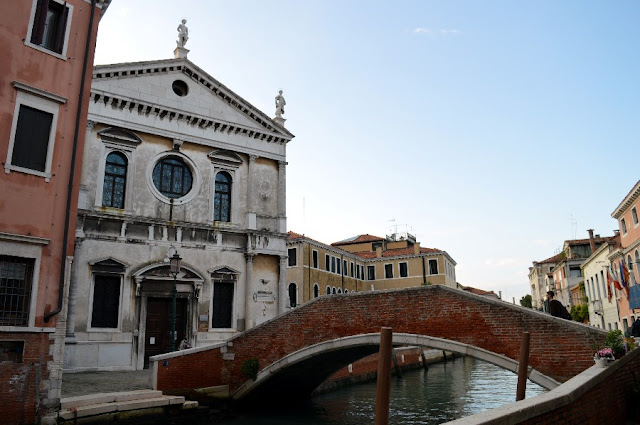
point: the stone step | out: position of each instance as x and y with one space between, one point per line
85 400
101 404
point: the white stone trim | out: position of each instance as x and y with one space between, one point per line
65 44
27 251
107 147
195 183
235 187
90 312
43 104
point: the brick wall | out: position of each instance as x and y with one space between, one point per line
25 385
559 349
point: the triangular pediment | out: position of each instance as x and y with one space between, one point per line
222 270
221 156
176 89
108 265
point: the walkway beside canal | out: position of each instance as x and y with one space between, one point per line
84 383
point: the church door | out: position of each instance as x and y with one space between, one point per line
158 328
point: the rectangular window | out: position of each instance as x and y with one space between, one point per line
433 266
293 260
623 225
634 216
338 268
314 257
371 273
404 270
49 29
16 276
351 270
344 267
31 140
333 264
388 271
106 301
327 263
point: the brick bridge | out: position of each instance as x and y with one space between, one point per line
301 348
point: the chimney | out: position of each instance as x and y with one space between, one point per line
416 248
592 243
378 252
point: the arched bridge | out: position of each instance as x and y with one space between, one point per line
301 348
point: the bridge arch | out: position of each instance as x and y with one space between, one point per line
434 316
346 348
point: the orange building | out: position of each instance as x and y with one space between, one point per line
45 77
626 261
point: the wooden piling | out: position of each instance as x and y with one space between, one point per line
384 377
523 366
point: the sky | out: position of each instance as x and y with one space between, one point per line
492 130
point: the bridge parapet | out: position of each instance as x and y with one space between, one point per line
559 350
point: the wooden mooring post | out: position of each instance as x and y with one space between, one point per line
384 377
523 366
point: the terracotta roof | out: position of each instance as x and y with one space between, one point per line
358 239
396 252
294 235
555 259
479 291
586 241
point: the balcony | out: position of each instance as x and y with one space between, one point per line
597 306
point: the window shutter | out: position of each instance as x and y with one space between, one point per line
38 21
62 29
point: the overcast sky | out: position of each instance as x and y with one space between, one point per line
493 130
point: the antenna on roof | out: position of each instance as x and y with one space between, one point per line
574 227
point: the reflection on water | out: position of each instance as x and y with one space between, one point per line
445 392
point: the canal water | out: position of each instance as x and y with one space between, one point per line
444 392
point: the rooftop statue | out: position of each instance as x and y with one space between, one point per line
280 102
183 33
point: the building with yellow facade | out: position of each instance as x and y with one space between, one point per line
363 263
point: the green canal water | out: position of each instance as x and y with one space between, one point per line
444 392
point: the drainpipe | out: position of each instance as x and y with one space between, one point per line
76 132
309 297
592 243
424 272
342 269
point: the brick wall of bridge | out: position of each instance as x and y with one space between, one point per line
559 349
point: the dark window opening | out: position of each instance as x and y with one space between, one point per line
222 304
15 290
292 295
316 291
327 265
106 302
433 266
315 259
292 252
388 271
11 351
172 177
50 25
31 142
371 273
180 88
115 179
404 272
328 290
222 199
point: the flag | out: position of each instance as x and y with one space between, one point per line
613 280
609 283
624 277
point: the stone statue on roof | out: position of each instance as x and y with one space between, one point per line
183 33
280 102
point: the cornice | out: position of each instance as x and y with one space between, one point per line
198 75
631 197
24 238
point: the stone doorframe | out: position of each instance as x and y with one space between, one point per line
155 281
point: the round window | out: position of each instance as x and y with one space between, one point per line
172 177
180 88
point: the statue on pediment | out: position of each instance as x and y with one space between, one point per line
280 102
183 33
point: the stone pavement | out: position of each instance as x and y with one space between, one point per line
84 383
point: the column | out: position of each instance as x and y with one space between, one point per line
243 299
282 199
251 193
283 294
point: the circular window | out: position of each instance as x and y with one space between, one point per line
180 88
172 177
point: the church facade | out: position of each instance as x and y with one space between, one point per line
175 163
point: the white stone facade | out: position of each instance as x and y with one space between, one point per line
172 131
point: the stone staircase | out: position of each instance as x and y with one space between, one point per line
119 405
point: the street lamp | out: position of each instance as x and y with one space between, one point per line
174 269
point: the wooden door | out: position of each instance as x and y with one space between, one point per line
158 326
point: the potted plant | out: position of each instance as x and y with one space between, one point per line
615 342
603 357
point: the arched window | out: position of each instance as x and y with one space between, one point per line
222 197
333 291
115 180
346 291
172 177
292 295
328 290
339 291
316 290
